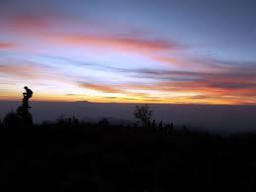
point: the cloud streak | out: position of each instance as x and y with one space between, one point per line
100 87
130 44
22 71
31 71
4 46
49 29
28 22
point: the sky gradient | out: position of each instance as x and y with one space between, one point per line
136 51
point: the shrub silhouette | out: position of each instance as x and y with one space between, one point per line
12 119
104 122
66 121
25 115
143 113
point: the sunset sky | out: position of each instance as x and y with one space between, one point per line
133 51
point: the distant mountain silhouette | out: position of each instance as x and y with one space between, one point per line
84 101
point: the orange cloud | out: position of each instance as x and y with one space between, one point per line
28 24
134 45
31 71
7 45
171 61
21 71
101 88
193 87
130 44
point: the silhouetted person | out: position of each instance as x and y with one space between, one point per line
23 111
26 96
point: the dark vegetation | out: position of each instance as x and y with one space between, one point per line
70 155
74 156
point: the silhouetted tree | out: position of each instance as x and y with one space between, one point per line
143 113
104 122
169 128
154 125
75 120
160 125
63 120
185 129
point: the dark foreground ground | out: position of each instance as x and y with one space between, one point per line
83 157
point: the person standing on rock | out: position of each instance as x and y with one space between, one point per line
26 96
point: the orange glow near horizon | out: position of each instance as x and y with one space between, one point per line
126 98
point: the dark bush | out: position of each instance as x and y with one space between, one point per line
12 119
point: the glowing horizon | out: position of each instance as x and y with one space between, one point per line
115 52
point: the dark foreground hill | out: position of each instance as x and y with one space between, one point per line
85 157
